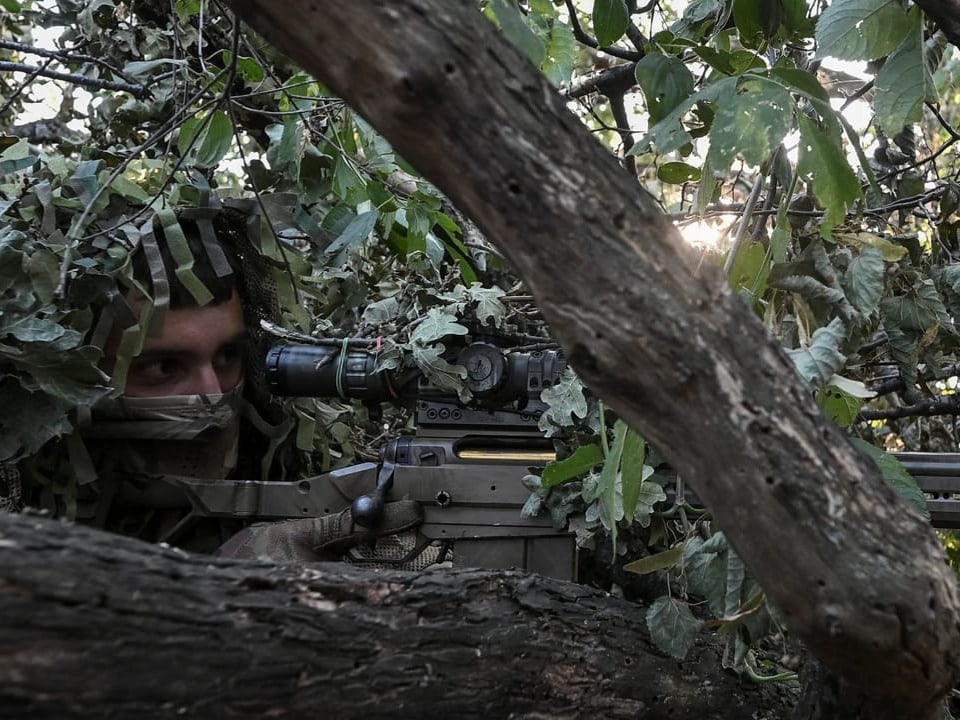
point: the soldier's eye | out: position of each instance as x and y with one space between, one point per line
228 356
156 370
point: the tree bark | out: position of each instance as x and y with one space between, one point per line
654 332
93 625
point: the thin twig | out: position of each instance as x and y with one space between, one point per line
940 405
136 90
76 227
62 56
585 39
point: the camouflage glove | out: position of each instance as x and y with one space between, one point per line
329 537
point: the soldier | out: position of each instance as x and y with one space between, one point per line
194 406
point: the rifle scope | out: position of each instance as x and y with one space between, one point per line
323 371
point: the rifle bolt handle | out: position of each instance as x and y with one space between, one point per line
367 510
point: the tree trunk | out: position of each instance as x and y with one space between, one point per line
93 625
654 332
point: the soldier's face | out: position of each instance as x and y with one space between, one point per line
199 352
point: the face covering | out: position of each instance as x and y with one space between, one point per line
146 443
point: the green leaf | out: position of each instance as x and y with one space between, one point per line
249 68
834 182
919 311
488 303
896 475
673 628
747 16
561 55
654 563
32 329
665 82
736 575
677 173
44 269
854 388
75 392
800 277
736 62
291 146
861 29
187 138
29 420
143 67
669 134
436 325
864 280
611 511
650 494
752 122
582 460
633 472
889 251
817 364
516 30
839 405
802 82
761 22
610 20
795 15
563 399
217 139
904 83
750 268
705 567
440 372
354 234
698 18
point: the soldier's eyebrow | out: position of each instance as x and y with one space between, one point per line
188 349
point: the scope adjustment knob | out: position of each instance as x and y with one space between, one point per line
486 367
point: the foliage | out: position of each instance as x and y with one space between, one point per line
841 233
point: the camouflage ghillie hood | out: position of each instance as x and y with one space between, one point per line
114 298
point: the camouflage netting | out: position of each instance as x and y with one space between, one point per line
241 229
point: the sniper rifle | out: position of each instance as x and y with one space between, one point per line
464 464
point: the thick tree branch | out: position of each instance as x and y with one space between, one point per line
601 81
657 334
93 625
